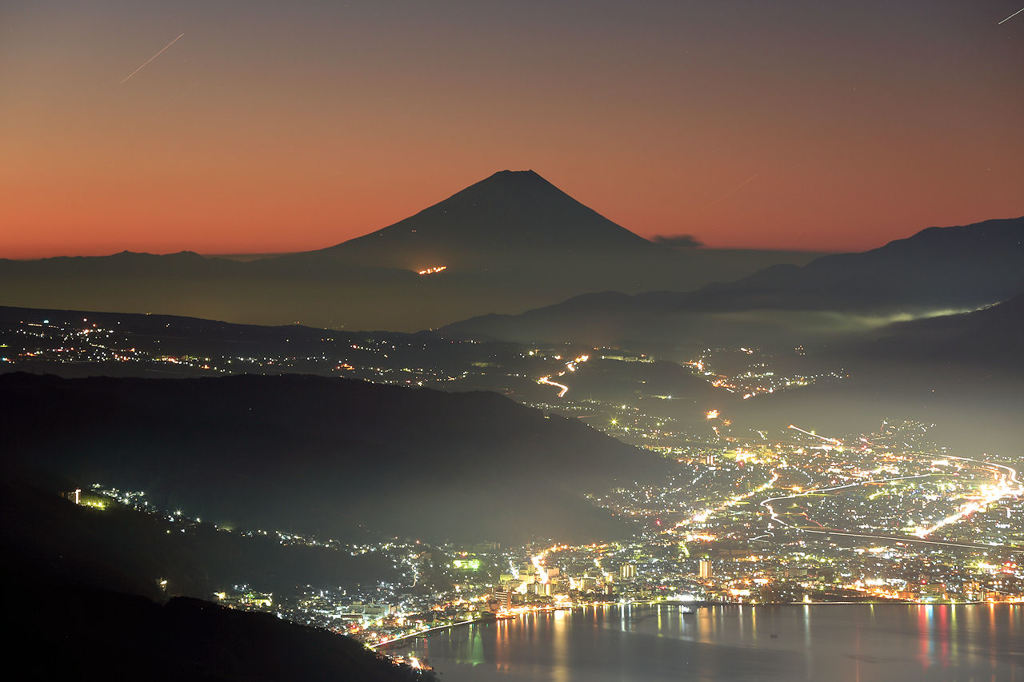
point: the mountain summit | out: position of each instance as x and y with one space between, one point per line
504 216
508 243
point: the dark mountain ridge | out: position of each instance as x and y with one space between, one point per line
949 268
990 340
965 265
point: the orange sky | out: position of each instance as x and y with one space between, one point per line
267 128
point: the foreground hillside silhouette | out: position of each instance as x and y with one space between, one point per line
324 455
82 601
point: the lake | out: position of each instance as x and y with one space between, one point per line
819 642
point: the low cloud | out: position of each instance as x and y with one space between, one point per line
678 241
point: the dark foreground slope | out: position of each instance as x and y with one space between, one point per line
82 601
75 633
323 455
125 550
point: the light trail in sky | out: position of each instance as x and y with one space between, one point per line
150 60
733 191
1010 17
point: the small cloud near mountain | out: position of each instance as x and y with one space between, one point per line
677 241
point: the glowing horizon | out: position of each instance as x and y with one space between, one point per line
277 129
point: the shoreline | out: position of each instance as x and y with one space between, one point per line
412 635
689 605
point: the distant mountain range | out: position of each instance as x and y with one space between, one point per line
330 456
507 243
937 269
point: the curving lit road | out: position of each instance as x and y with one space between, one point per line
569 367
1007 484
546 381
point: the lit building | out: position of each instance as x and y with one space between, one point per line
501 599
705 569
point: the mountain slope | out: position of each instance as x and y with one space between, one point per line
990 340
509 243
323 455
82 601
517 211
958 266
937 268
67 632
963 373
125 550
